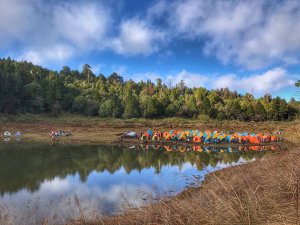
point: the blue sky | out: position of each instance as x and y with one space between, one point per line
248 46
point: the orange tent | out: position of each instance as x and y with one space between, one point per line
196 139
254 140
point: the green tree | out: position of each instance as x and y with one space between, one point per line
112 107
249 113
233 109
276 108
87 72
192 109
115 79
150 107
213 113
205 106
260 112
25 87
132 107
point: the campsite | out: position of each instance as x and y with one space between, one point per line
150 112
96 151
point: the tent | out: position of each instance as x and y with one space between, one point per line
150 132
156 137
197 139
182 137
215 135
158 133
167 136
208 138
254 140
18 134
129 134
7 134
221 137
145 136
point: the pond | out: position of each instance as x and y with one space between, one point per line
40 178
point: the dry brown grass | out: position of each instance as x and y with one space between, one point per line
263 192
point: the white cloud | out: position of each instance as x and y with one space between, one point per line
56 185
268 82
271 81
145 76
16 18
58 53
225 81
120 69
50 31
253 34
190 79
85 25
96 68
137 38
157 10
187 15
39 26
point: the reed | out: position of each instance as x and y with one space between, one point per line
262 192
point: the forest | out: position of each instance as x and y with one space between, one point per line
28 88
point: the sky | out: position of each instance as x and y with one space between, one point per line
248 46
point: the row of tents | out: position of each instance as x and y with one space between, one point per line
9 134
209 149
197 136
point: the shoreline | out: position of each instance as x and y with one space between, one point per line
138 142
252 192
37 128
239 188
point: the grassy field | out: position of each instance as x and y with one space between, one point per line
99 130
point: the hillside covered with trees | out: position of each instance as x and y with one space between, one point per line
27 88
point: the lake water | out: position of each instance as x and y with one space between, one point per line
44 179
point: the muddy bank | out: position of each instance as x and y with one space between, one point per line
93 130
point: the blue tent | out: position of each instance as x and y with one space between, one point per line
228 138
150 132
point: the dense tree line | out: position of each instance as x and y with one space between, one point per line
27 88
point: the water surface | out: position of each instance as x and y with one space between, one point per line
46 178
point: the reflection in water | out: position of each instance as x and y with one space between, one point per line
211 148
103 173
6 139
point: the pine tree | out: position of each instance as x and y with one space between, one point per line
131 106
260 112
